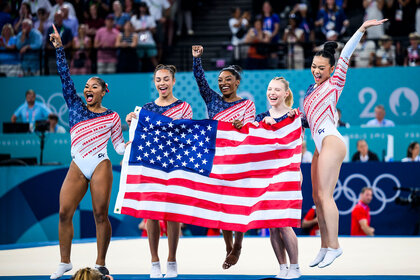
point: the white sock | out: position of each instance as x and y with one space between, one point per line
294 271
171 270
155 272
62 268
330 256
319 257
283 271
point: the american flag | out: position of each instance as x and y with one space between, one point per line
208 173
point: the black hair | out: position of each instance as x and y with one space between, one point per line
233 9
53 116
101 83
170 68
235 70
410 149
328 52
136 9
29 91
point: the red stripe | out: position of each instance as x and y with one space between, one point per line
262 173
209 188
86 122
210 223
212 206
254 140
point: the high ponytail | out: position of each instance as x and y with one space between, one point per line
328 52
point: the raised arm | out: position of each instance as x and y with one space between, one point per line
206 92
69 91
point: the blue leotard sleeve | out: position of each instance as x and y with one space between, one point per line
206 92
69 91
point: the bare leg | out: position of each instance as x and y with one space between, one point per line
72 191
329 164
174 229
100 188
278 245
233 257
290 242
153 234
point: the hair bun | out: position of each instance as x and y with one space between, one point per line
330 47
236 67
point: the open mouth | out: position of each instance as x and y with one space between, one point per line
89 97
225 88
317 77
163 89
273 98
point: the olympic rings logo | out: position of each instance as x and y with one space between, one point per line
378 193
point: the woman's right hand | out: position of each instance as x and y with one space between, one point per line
129 117
197 51
55 38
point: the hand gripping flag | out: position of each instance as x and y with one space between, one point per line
210 174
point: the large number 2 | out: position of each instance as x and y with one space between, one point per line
367 112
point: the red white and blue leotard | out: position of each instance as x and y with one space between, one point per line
89 131
320 101
177 110
217 108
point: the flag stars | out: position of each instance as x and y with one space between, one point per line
146 154
207 139
201 171
152 161
194 148
177 130
171 161
166 154
196 126
158 122
143 136
184 163
204 161
170 125
153 151
209 127
195 137
192 159
164 164
148 143
186 152
173 149
159 158
139 158
170 134
188 141
189 130
151 126
199 155
202 132
156 139
206 150
157 132
169 142
183 135
183 126
176 139
201 143
147 119
178 157
160 147
141 148
196 165
145 129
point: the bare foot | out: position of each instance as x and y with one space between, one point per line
232 258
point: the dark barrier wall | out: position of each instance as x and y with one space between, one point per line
29 201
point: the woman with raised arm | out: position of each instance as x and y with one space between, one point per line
168 105
228 107
320 109
91 126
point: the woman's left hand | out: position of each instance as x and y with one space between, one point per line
237 124
293 112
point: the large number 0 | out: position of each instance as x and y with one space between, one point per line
367 112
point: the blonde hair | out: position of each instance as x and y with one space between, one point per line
7 26
289 99
87 273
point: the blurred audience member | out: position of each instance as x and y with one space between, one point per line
5 16
120 17
54 127
412 153
364 54
24 13
88 273
129 7
385 55
59 4
9 59
306 155
417 17
373 10
331 18
379 119
29 43
305 22
294 36
102 6
238 25
310 222
258 50
69 20
35 5
341 123
82 44
271 27
105 44
30 111
43 23
360 215
94 21
363 154
413 51
184 12
126 43
66 38
401 15
145 25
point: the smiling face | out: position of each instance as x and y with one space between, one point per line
164 83
93 92
276 93
228 84
416 150
321 69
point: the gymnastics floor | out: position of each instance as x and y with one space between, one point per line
370 258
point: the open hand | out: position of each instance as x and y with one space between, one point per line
370 23
197 51
55 38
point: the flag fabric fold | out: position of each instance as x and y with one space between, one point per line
210 174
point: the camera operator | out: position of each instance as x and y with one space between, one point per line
360 216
